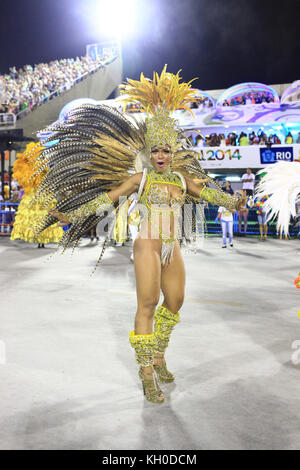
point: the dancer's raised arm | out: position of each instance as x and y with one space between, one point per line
216 197
101 203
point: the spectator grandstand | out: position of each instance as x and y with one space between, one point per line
249 99
233 139
23 90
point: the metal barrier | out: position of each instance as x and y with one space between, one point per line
252 223
7 119
7 218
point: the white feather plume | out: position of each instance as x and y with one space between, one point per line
282 185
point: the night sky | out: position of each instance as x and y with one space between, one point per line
223 42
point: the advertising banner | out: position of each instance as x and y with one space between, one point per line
259 114
102 50
246 156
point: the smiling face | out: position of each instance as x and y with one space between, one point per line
161 157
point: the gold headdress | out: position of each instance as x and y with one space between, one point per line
159 98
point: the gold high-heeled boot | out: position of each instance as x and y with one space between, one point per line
144 347
164 323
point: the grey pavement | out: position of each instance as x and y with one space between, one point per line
68 375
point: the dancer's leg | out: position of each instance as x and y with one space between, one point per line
167 315
148 273
245 221
230 231
240 220
173 281
224 231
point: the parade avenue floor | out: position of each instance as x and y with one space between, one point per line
68 374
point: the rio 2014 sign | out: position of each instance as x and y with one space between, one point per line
219 154
245 156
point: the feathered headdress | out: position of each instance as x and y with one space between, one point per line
159 98
164 91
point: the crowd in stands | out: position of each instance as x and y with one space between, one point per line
11 189
25 89
202 103
232 139
249 99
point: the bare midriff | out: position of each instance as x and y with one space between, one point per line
160 212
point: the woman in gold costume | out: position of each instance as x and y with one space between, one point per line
165 168
31 209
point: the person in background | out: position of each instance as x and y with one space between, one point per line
281 232
226 219
248 100
243 140
215 140
199 141
222 140
243 215
232 137
21 193
228 189
6 177
271 139
207 142
251 137
262 139
277 140
248 180
298 138
289 139
261 216
92 234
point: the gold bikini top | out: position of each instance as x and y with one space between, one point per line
154 194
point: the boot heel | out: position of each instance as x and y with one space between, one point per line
151 389
144 346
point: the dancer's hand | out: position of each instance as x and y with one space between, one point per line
201 180
63 221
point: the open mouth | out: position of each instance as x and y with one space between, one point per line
160 164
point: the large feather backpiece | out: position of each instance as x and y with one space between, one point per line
282 186
94 149
91 151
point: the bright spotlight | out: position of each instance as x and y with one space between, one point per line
116 17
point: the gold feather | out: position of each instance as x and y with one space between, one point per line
164 91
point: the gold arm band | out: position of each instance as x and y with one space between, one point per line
219 198
100 203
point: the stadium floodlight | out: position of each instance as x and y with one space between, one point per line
116 18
